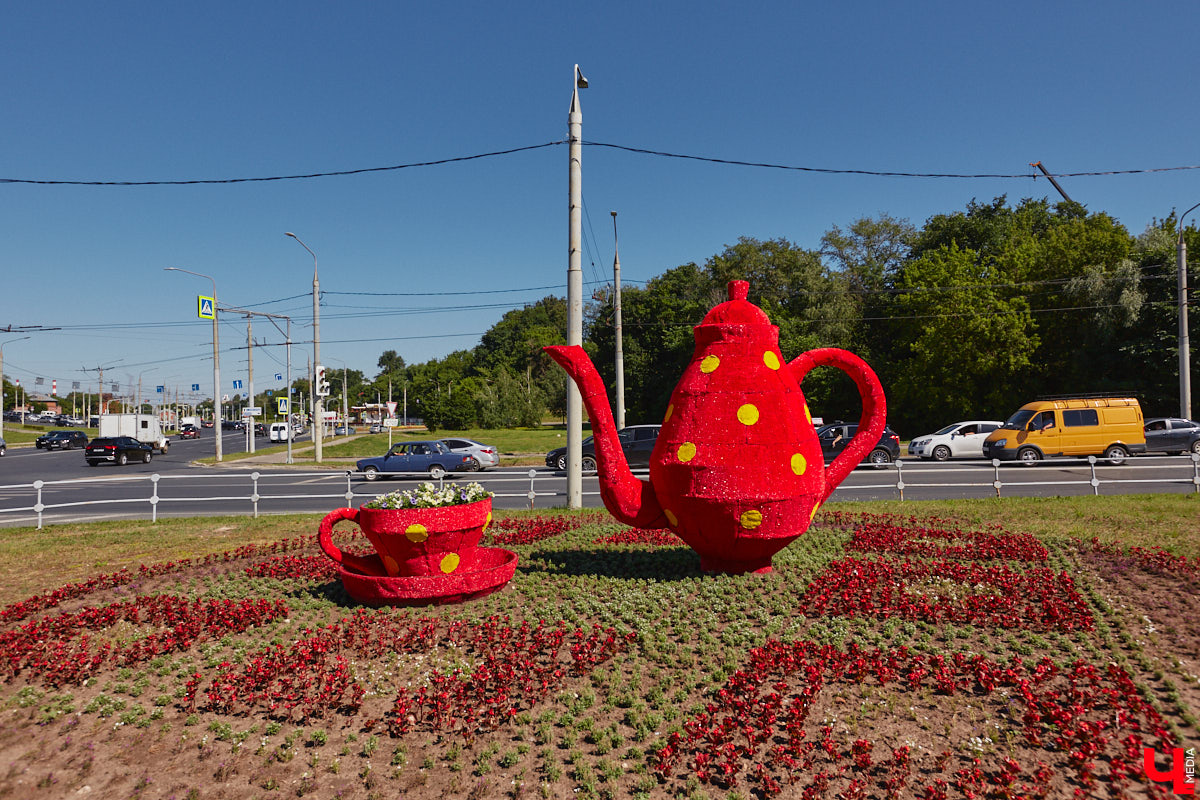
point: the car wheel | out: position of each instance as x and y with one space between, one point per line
1116 455
146 457
589 464
941 453
1028 455
880 457
1196 447
562 463
370 473
123 459
3 450
437 472
92 463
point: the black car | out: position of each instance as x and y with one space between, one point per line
260 429
836 435
61 440
637 442
118 450
3 447
1172 435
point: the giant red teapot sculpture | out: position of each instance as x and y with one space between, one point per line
737 470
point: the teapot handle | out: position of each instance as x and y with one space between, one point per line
325 539
874 407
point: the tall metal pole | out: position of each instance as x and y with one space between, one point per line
575 292
290 410
1185 355
250 422
10 341
216 360
620 356
318 401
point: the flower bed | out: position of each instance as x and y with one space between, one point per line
655 537
939 542
949 591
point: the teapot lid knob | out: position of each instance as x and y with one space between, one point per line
738 290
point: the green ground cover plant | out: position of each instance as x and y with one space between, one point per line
892 652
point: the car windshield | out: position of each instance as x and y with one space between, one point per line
947 429
1019 419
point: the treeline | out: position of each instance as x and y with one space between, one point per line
968 316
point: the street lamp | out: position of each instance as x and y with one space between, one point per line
1185 370
318 401
216 358
10 341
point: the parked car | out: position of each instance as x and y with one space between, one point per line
189 432
958 440
3 447
637 442
344 430
836 435
376 427
118 450
232 425
486 454
432 457
61 440
1172 435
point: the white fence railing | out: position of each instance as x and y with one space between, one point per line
155 492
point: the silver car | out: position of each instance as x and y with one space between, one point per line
960 440
485 454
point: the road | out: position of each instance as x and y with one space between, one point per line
69 490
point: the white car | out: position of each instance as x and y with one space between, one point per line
485 454
960 440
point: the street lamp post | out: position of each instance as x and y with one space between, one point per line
216 358
1185 370
575 289
10 341
318 401
620 356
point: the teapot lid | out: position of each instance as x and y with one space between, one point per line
737 310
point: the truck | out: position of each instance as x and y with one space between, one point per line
143 427
193 421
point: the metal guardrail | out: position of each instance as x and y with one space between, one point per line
1189 475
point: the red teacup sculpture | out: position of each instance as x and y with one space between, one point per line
422 555
737 470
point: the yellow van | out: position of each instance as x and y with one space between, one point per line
1110 427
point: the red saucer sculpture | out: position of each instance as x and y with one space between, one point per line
422 555
737 470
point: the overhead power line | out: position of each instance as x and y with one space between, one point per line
1028 175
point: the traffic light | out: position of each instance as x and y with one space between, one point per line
322 383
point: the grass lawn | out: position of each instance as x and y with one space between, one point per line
973 648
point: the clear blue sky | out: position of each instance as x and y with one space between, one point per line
169 92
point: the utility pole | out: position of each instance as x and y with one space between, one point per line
1185 350
620 356
1050 178
250 422
318 401
575 291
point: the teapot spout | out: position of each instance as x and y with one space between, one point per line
630 500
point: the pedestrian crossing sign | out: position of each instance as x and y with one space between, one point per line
207 307
282 404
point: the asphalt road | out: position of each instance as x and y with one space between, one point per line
70 490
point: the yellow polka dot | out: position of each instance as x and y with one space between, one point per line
487 521
747 414
671 518
687 451
751 519
670 411
390 566
771 360
807 414
814 512
709 364
416 533
449 563
799 464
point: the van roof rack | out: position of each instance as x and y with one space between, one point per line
1086 395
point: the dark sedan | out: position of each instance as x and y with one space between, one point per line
118 450
61 440
637 443
835 436
1172 435
431 457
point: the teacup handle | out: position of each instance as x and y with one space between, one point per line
874 407
325 539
